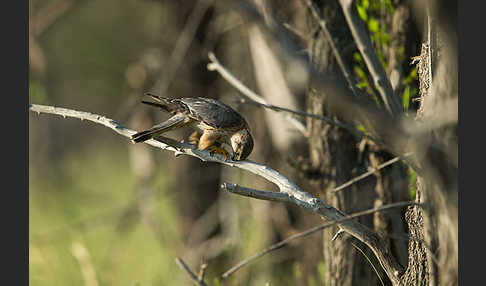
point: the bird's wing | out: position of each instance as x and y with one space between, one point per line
177 121
213 112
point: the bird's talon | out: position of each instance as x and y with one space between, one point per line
217 150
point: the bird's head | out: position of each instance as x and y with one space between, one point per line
242 144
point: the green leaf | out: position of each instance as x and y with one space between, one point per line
406 98
412 183
389 5
365 4
361 128
373 25
362 13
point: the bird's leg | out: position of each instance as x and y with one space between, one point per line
194 138
208 141
215 149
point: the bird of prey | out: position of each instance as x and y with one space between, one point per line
215 123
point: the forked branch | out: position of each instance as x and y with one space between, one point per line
289 191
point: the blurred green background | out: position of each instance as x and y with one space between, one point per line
103 211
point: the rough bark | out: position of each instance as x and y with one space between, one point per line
433 259
335 157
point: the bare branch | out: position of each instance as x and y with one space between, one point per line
356 132
193 276
341 101
202 271
337 54
285 242
373 170
305 200
182 44
360 35
216 66
289 191
163 143
256 100
369 261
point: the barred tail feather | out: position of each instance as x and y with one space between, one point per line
143 136
163 103
176 121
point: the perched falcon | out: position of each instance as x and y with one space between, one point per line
215 123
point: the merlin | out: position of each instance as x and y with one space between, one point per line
214 122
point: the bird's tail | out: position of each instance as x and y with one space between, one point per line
176 121
163 103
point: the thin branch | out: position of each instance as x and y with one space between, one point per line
182 44
216 66
373 170
337 54
312 230
366 256
356 132
289 191
202 271
359 231
256 100
193 276
163 143
340 100
296 32
360 35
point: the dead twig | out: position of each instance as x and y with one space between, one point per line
369 261
182 45
337 54
256 100
214 65
312 230
193 276
373 170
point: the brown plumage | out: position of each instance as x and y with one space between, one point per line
215 123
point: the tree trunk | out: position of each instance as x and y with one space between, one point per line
337 156
433 249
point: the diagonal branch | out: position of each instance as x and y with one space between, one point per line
337 54
392 130
256 100
214 65
360 35
289 191
280 244
182 45
327 212
366 174
198 280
